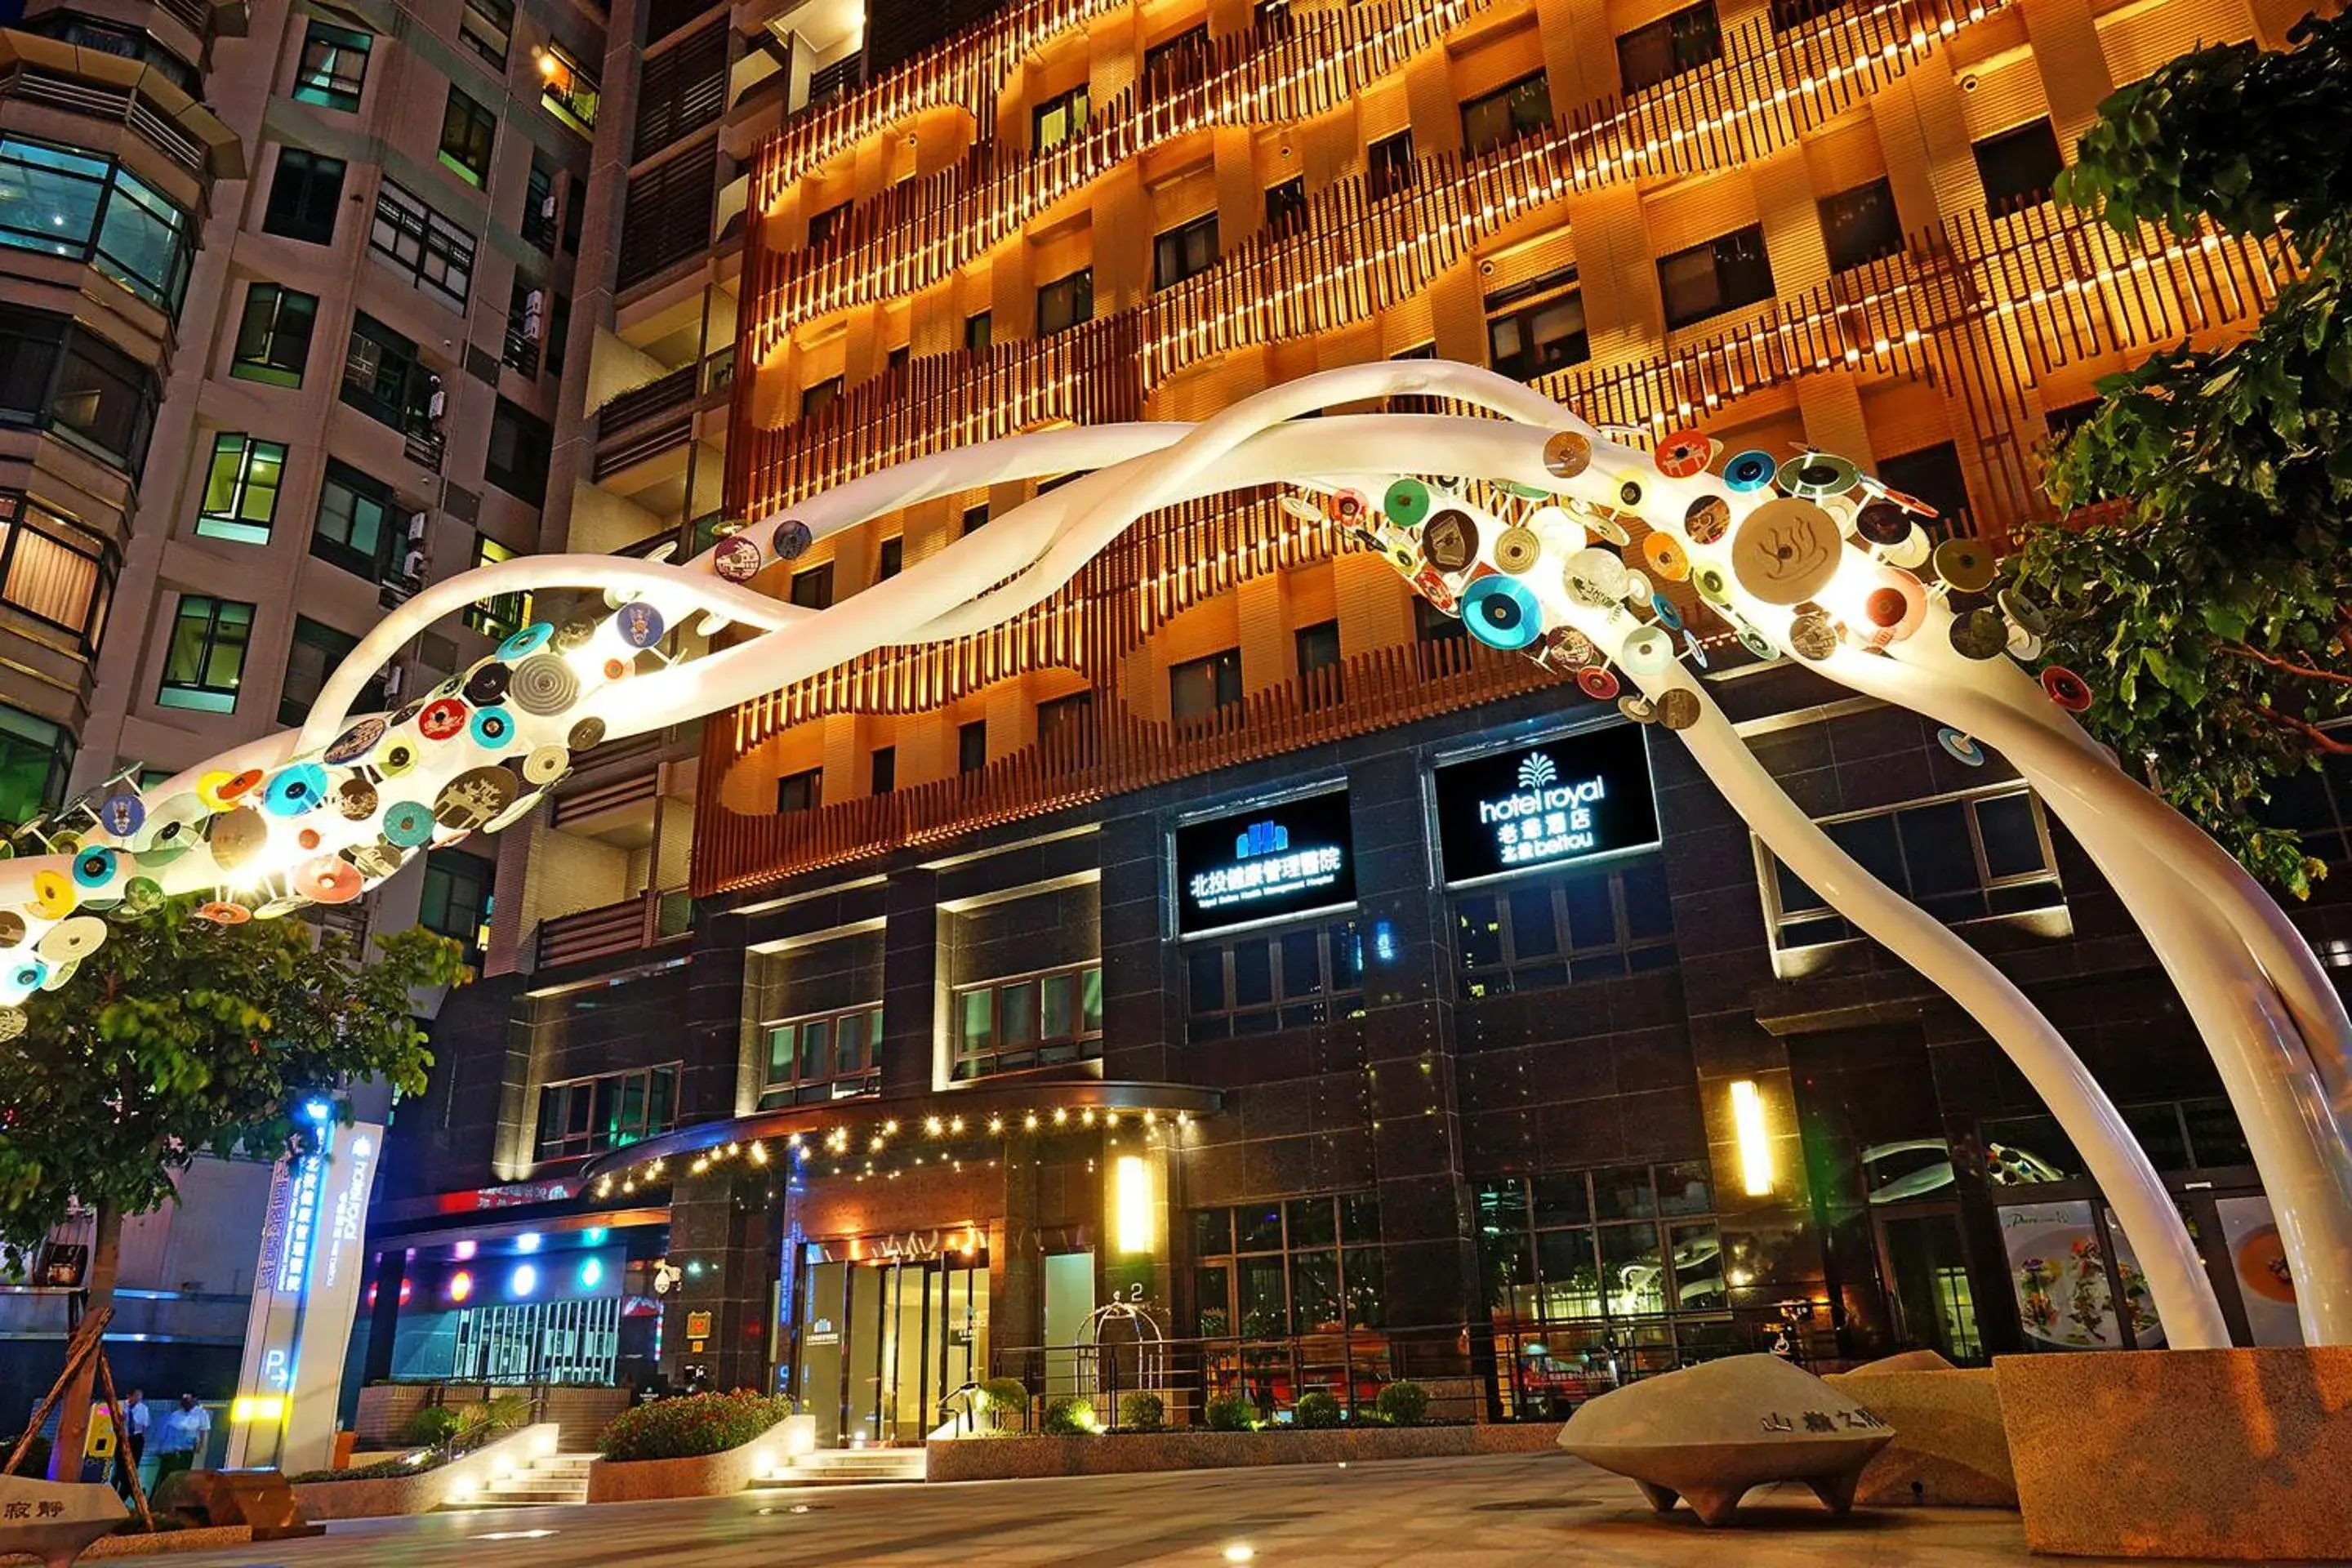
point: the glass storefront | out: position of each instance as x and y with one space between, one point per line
889 1327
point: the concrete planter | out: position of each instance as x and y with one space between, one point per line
2235 1454
1949 1450
706 1475
1003 1458
428 1489
169 1542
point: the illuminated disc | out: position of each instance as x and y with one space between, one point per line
528 641
28 973
573 633
375 859
1964 566
1629 495
1567 453
1683 454
1666 556
1882 523
543 684
1637 590
357 741
1664 608
442 720
1351 507
295 790
1406 502
1450 541
1597 682
142 894
1707 520
1714 584
355 799
94 867
545 765
1303 510
493 728
620 669
1753 639
789 542
1786 551
1817 475
736 559
586 735
1640 710
1896 605
2024 646
1812 637
641 625
309 838
472 798
123 814
209 786
1404 558
1606 525
407 823
1678 708
449 687
1593 577
1647 651
12 929
1749 472
408 713
2066 688
1693 649
1963 748
329 880
54 897
1517 549
237 838
72 939
1501 612
1565 647
1911 551
172 826
397 759
2023 613
12 1023
488 683
222 912
1431 584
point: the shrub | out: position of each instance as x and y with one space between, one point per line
433 1425
382 1470
689 1426
1318 1409
1403 1404
1142 1413
1006 1401
173 1493
36 1461
1229 1413
1069 1418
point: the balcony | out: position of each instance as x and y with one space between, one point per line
426 446
643 424
637 923
519 353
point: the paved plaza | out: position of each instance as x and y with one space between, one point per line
1542 1508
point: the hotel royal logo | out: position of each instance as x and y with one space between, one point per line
1544 818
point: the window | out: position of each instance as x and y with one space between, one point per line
972 746
1057 119
1389 164
61 201
1184 251
2017 166
305 194
1286 206
539 205
1198 688
55 571
1271 18
521 446
979 332
129 43
334 67
273 336
1668 47
1932 474
1860 225
803 791
1564 929
488 27
1281 1269
1505 114
205 660
1179 61
383 377
468 131
823 225
832 1057
1788 14
502 615
1032 1020
241 488
457 901
1431 624
819 397
1721 275
63 378
1964 857
354 529
975 519
1062 721
36 757
612 1110
1065 302
1265 981
882 774
565 88
2178 1135
434 254
889 558
1319 662
1537 327
318 649
681 90
812 587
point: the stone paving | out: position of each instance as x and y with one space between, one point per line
1543 1508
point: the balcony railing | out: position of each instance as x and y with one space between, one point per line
639 922
426 446
660 396
519 353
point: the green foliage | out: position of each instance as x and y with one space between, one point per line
36 1461
1143 1412
433 1425
382 1470
1317 1410
1005 1399
1228 1413
2210 608
180 1037
690 1425
1069 1418
1403 1404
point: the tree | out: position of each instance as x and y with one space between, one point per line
179 1037
2211 603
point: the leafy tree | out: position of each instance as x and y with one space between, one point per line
2211 603
179 1037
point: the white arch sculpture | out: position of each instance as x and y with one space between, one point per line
1812 563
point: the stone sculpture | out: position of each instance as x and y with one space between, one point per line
54 1521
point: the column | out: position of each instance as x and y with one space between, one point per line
910 982
722 1236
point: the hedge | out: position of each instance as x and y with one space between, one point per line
689 1426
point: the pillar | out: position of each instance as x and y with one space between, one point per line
722 1238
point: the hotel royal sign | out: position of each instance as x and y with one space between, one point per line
1547 805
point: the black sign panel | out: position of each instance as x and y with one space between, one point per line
1264 863
1551 803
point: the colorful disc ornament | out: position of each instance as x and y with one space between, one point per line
94 867
123 814
488 683
1406 502
2066 688
1964 566
407 823
1962 748
1678 708
493 728
443 719
1666 556
1787 551
1517 549
1450 541
356 742
526 642
1707 520
543 686
1598 683
790 541
1500 611
640 624
735 559
1749 472
1683 454
1817 476
1567 453
295 790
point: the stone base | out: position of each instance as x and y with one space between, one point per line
1949 1450
1127 1453
2243 1455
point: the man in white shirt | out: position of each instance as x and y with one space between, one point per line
181 1436
134 1440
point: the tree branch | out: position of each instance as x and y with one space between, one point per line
2320 739
2292 667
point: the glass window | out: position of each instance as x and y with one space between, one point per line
273 336
522 445
241 488
882 772
35 756
979 332
611 1111
565 88
1318 662
2017 166
1286 205
1537 327
305 194
1029 1020
812 588
1668 47
822 225
354 529
1184 251
434 254
318 650
1265 981
820 395
830 1056
1721 275
115 38
334 67
501 614
54 570
1389 164
1506 114
62 202
1200 687
468 133
1058 119
457 896
972 746
1860 225
1598 923
205 660
488 27
889 558
383 377
1066 302
1270 1271
803 791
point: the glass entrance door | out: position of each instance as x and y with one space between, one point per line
884 1342
1925 1270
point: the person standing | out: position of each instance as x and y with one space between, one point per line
181 1436
134 1440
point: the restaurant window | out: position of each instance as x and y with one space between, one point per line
468 134
1683 40
354 528
36 759
488 27
1537 327
457 898
833 1056
1565 929
2017 166
1185 251
1288 1267
1265 981
1058 119
1505 114
273 336
1067 715
1388 166
1721 275
1860 225
318 649
522 445
890 558
434 253
979 332
55 571
2201 1134
384 378
882 770
1319 650
240 499
204 661
1028 1021
972 746
500 616
1963 858
1199 688
1286 206
611 1111
63 201
1066 302
333 68
812 586
306 192
803 791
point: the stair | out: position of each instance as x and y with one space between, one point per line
551 1479
846 1466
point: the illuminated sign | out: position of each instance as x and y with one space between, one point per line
1549 805
1264 863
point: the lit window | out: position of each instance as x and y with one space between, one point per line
1057 119
35 756
1199 688
1066 302
1031 1020
55 571
1860 227
333 68
1281 1270
1537 327
2017 166
205 660
1269 981
803 791
565 88
1184 251
612 1110
832 1057
468 133
1721 275
354 528
502 615
63 201
241 488
273 336
1505 114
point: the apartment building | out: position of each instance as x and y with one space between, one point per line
875 1037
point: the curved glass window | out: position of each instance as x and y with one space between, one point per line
61 202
